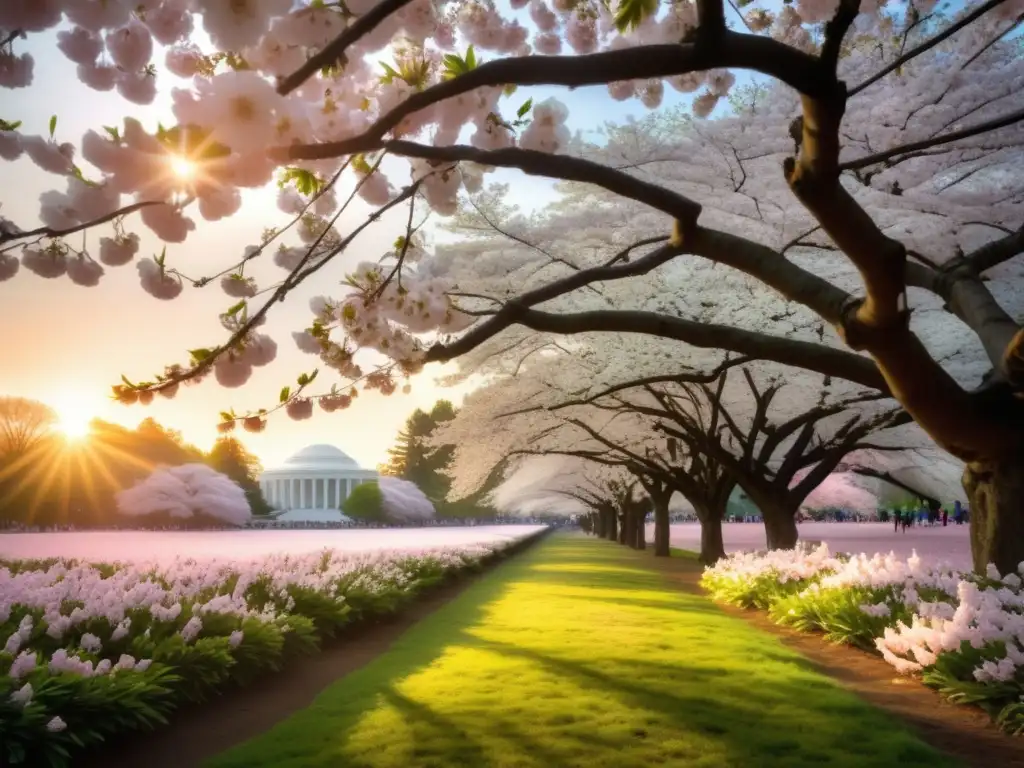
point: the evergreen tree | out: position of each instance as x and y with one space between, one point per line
229 457
412 459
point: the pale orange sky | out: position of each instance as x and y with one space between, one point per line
67 345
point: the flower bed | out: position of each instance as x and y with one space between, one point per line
91 651
962 633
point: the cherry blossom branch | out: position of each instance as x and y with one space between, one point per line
977 54
51 232
889 478
674 378
334 51
814 357
915 146
736 50
623 255
278 232
563 167
295 277
996 252
927 45
397 269
967 425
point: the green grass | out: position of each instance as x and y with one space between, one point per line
577 654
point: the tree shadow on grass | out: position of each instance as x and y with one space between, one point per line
339 708
695 709
456 746
367 718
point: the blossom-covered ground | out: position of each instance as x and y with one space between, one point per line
164 546
961 632
933 544
89 651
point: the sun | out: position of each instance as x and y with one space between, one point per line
74 416
182 167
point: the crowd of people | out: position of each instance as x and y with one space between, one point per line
907 518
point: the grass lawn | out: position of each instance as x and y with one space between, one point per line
577 654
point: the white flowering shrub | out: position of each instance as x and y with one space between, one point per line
184 492
91 651
403 501
961 632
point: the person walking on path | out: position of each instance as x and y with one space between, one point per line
945 517
895 521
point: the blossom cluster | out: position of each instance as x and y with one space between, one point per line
146 638
963 633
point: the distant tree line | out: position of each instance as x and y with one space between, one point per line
413 458
46 479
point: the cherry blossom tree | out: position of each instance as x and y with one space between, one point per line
185 492
901 107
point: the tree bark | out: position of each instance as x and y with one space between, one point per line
712 544
662 547
640 528
623 522
610 532
995 494
601 524
780 527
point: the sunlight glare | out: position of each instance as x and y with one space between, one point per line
183 167
73 416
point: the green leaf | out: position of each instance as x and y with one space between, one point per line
303 380
125 380
198 355
236 308
8 126
53 125
112 132
525 108
285 394
225 416
510 89
389 73
631 13
470 58
306 182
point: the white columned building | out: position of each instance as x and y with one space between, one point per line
313 484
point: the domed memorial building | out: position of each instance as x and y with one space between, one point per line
313 484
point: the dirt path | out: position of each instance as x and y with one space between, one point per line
964 732
199 732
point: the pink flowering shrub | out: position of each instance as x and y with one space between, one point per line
90 651
186 491
962 633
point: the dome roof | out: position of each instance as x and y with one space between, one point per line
324 457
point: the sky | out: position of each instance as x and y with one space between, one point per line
66 345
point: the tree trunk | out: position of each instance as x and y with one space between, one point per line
995 495
712 545
661 529
623 526
640 526
629 526
780 528
610 531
